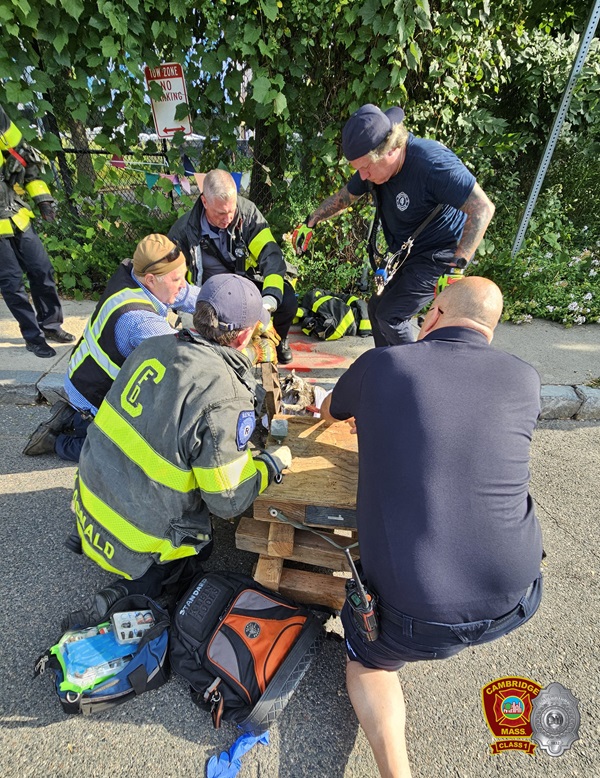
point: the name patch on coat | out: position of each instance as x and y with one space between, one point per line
245 427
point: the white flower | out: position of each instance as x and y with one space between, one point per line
579 320
595 261
550 308
548 255
573 307
587 296
593 272
526 274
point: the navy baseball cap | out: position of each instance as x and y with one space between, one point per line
367 128
237 302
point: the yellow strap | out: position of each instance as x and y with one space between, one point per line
274 281
10 138
22 218
259 241
216 480
127 533
6 227
364 324
37 188
140 452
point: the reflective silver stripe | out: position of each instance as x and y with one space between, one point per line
89 346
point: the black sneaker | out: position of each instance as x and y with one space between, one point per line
59 336
284 352
40 349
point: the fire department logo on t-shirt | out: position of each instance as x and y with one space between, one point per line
402 201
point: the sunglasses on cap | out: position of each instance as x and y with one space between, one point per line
168 258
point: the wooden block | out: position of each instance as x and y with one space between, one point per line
281 540
268 572
310 549
313 588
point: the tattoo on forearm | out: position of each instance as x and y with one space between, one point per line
479 210
335 204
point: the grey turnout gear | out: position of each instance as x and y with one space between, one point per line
168 447
251 246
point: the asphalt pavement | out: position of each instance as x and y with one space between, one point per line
317 735
163 733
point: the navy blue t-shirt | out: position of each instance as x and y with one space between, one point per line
446 526
431 174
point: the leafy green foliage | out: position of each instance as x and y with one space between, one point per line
485 78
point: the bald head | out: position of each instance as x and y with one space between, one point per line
474 302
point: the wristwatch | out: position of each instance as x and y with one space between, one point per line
460 262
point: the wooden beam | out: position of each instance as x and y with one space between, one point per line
313 588
310 549
281 540
268 572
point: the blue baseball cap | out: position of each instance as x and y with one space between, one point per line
367 128
236 300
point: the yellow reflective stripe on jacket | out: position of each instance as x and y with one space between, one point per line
89 346
351 299
273 280
342 327
320 300
99 559
364 324
259 241
10 138
216 480
6 227
22 218
128 534
264 474
140 452
37 188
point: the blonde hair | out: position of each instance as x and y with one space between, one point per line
395 139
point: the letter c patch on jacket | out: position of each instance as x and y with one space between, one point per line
245 427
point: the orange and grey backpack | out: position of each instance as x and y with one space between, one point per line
242 648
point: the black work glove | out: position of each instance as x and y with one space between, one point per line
47 211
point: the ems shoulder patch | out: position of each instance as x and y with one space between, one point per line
245 427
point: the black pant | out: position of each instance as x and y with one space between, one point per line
24 253
407 293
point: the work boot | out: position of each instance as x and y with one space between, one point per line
284 352
40 348
59 336
43 439
94 608
73 543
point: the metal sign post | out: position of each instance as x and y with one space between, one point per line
170 77
557 125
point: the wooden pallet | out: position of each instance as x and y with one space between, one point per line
318 490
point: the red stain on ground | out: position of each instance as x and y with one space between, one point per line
303 346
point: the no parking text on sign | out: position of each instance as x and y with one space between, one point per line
170 77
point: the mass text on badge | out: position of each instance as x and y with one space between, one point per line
170 77
507 707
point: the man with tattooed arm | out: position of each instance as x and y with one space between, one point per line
409 178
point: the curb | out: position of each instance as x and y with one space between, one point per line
559 402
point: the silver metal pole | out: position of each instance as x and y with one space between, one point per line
584 46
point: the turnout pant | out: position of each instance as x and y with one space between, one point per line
24 253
